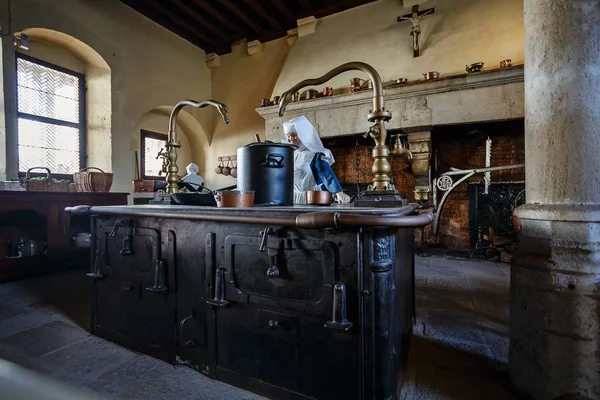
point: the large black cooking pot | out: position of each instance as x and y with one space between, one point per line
268 169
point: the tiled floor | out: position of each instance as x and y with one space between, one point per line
459 350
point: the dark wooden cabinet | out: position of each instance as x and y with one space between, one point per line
40 216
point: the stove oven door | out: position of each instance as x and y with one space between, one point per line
133 304
271 335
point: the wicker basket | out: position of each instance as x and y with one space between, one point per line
92 181
44 185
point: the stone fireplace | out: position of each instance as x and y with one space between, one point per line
438 119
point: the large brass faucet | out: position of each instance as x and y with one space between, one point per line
378 115
173 144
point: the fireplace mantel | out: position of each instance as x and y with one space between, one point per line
418 106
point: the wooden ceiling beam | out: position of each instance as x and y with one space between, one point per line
178 21
306 6
284 10
206 7
261 11
235 9
196 16
160 19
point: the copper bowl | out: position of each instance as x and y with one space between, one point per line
475 67
431 75
319 198
235 198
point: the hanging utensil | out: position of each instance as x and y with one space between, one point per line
137 167
226 169
233 171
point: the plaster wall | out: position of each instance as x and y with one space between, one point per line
241 82
460 32
54 54
150 67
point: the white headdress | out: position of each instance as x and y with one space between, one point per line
308 135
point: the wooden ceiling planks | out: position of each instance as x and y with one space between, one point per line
214 25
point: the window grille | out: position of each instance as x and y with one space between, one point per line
152 144
51 117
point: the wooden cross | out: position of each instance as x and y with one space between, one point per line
415 32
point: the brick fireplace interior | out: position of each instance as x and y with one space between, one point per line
457 146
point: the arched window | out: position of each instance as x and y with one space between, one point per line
51 116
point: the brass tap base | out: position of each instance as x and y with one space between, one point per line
381 198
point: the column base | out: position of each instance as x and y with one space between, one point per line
555 303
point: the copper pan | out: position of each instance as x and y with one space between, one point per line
319 198
235 198
431 75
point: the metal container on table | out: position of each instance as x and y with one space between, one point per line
268 169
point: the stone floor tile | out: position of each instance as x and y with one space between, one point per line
90 358
45 338
9 311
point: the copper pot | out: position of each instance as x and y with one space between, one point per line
276 100
506 63
431 75
311 94
320 198
265 103
327 91
356 84
235 198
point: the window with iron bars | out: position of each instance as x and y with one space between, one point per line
153 166
51 117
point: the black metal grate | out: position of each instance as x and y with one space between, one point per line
49 117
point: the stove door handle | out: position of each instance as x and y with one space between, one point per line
338 317
219 299
191 342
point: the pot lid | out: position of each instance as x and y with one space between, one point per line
271 144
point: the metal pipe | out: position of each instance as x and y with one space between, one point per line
480 170
313 220
378 115
351 66
173 143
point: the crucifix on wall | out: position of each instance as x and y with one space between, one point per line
415 32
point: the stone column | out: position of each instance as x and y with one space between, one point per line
419 144
555 281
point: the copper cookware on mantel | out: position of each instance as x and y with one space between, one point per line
320 198
431 75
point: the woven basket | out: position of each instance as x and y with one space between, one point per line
86 181
44 185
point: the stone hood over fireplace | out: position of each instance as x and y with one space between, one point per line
416 107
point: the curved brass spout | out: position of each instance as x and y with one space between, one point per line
173 143
381 167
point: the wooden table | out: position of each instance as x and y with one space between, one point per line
41 216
